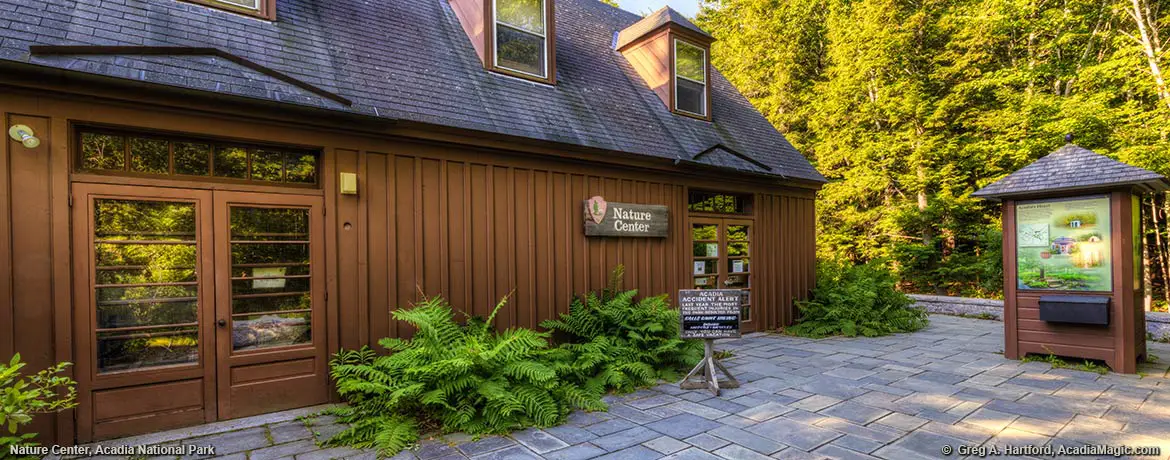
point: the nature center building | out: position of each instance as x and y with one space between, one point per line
204 199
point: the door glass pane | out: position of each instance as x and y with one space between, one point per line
192 158
739 264
103 151
271 277
231 162
146 292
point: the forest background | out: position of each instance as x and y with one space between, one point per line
909 106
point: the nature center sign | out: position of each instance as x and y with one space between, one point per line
625 219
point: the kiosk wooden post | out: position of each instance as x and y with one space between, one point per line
709 314
1072 252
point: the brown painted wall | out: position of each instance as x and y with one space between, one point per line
471 223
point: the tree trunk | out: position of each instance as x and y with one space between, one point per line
1147 275
1159 249
1148 37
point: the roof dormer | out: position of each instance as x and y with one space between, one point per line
512 37
672 55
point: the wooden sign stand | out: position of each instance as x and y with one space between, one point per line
705 371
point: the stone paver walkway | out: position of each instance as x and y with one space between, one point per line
898 397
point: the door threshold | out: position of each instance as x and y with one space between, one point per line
206 429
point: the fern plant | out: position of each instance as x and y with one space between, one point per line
612 341
466 378
854 300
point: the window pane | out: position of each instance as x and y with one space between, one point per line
150 156
192 159
272 283
267 165
689 62
688 97
520 51
231 162
250 4
121 351
300 168
103 151
719 202
524 14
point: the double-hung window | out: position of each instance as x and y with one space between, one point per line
690 79
521 37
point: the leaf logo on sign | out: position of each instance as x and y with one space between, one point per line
595 209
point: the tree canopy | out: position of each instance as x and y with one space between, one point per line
909 106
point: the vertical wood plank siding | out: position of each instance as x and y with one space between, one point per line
477 231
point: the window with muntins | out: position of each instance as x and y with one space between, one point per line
720 203
116 152
690 79
521 37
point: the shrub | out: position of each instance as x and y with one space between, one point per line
610 341
466 378
22 397
854 300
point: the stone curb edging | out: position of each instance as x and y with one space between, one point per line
1157 324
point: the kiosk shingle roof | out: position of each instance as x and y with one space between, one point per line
1072 168
406 60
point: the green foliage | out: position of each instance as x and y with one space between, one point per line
854 300
22 397
908 107
467 378
613 342
1061 363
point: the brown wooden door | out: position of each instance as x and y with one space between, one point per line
270 302
194 306
143 299
721 259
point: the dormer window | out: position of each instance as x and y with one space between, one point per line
670 53
690 79
264 9
521 41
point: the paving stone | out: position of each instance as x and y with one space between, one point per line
838 452
436 449
698 409
666 445
691 454
1013 437
234 441
695 395
538 441
632 453
858 443
875 432
923 444
570 434
626 438
855 412
653 401
511 453
683 426
723 404
485 445
991 419
288 432
942 377
803 416
576 452
634 415
1031 410
964 431
765 411
938 416
328 454
902 421
283 450
815 403
850 373
582 419
793 453
707 442
737 421
737 452
1035 425
749 440
965 408
610 426
795 434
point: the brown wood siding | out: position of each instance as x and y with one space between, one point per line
462 220
650 57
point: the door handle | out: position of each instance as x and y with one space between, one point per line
221 322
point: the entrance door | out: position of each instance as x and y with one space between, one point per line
722 259
193 306
270 298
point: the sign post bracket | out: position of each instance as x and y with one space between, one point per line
707 377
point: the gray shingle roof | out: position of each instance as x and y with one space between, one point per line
406 60
665 15
1071 168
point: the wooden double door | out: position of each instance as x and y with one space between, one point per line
195 305
721 259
